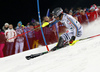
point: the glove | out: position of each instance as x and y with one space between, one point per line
72 39
45 24
74 42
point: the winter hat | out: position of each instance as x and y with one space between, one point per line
33 20
81 10
20 23
6 24
92 8
70 11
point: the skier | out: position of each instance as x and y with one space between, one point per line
73 31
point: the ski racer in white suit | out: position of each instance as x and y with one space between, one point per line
74 29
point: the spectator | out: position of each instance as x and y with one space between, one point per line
47 30
5 27
37 38
28 24
86 10
31 34
71 12
2 43
82 12
94 8
78 11
66 11
37 35
19 25
83 16
20 39
10 33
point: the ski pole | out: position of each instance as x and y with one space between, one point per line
83 39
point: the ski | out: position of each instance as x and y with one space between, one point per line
54 49
36 55
43 53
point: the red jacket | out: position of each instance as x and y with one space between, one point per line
2 38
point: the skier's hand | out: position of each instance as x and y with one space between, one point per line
45 24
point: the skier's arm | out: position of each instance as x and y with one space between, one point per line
45 24
54 21
50 24
73 21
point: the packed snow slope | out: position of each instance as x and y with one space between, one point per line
84 56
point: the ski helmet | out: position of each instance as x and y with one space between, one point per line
57 11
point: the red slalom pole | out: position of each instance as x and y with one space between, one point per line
47 47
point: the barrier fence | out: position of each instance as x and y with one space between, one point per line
51 33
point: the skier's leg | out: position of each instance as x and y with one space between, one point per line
80 32
59 45
63 40
60 42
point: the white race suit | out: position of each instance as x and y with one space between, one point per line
74 28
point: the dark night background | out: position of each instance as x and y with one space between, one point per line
12 11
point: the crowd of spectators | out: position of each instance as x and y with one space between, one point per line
21 38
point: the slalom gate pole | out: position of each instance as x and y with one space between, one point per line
27 39
41 25
87 18
57 31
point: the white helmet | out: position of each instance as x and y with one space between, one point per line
57 11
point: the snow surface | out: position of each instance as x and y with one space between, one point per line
84 56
